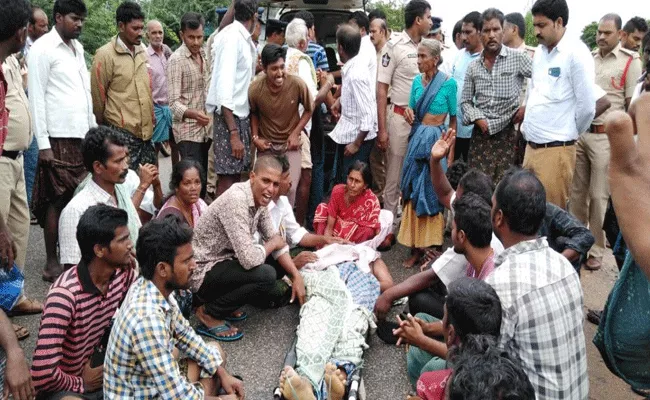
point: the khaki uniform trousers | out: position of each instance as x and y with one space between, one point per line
590 189
13 205
398 136
554 166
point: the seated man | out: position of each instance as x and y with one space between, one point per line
232 268
140 360
79 308
478 370
426 290
471 234
540 293
105 156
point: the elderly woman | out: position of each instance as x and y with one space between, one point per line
433 97
185 201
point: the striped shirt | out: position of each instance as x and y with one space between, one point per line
75 317
139 357
318 56
358 104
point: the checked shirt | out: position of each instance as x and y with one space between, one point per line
541 299
139 362
494 95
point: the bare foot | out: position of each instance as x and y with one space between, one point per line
416 256
335 381
295 387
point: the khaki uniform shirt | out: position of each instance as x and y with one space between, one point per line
609 76
19 130
121 88
531 53
398 67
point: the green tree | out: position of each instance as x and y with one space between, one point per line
394 10
589 35
530 38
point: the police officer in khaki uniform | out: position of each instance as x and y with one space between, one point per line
617 70
397 69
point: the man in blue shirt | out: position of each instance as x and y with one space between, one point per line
472 48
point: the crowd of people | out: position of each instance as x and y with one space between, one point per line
503 146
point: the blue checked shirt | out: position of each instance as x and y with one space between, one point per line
318 56
139 362
541 299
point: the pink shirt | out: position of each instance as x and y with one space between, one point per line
486 270
158 68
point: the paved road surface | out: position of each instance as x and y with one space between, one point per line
258 357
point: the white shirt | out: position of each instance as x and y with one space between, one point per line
59 90
234 58
284 222
367 50
358 103
451 265
637 90
89 196
304 72
131 183
560 103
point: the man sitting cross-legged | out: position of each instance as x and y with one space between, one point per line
234 269
296 236
79 308
141 361
471 234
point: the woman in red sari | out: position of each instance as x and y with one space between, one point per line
353 210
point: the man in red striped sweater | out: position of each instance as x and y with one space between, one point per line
80 306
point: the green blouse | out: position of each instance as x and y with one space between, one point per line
445 101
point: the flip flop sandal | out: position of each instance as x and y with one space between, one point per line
242 317
213 332
385 332
21 332
31 309
594 316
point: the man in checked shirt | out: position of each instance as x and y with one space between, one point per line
187 77
149 329
490 98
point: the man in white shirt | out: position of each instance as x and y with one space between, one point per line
105 156
367 50
356 130
62 113
562 87
233 64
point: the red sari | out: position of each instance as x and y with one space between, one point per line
356 222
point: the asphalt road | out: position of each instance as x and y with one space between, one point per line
259 356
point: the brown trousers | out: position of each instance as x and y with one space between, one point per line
554 167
